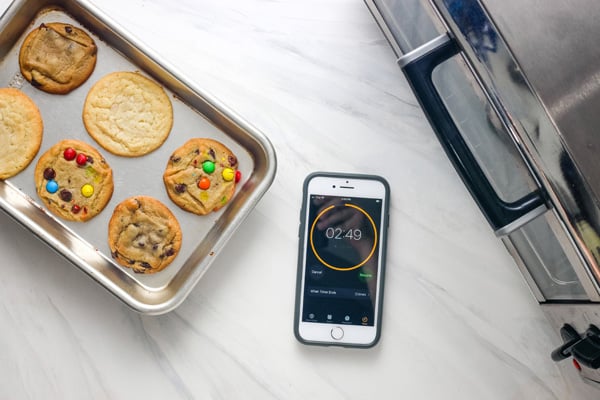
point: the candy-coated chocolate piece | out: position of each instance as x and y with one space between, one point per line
69 154
204 183
238 176
87 190
51 186
208 167
228 174
75 209
65 195
81 159
49 174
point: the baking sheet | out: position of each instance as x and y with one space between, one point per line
196 114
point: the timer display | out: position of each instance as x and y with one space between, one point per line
339 233
343 236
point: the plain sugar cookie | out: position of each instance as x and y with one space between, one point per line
21 130
128 114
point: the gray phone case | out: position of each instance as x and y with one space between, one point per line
383 245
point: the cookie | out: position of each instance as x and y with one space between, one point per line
57 57
21 130
128 114
73 180
201 175
143 235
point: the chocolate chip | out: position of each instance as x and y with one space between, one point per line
170 252
114 254
180 187
90 160
68 29
175 159
232 160
212 154
154 247
49 173
65 195
145 265
35 83
142 244
197 151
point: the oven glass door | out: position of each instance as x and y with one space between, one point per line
546 262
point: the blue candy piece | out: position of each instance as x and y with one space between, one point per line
52 186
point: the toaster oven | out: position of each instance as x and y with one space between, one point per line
512 92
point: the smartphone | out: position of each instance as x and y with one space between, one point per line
341 259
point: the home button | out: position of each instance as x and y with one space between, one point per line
337 333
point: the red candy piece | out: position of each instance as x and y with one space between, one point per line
69 154
238 176
75 209
81 159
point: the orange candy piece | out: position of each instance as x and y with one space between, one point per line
204 183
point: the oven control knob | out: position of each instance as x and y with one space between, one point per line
570 337
587 350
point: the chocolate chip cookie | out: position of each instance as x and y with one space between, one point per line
73 180
143 235
128 114
57 57
201 175
21 130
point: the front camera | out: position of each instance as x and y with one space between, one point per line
333 186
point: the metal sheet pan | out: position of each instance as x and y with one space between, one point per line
196 114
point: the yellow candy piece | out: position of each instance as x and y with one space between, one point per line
87 190
228 174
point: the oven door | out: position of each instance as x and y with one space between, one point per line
485 129
509 154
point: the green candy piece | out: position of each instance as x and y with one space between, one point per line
208 167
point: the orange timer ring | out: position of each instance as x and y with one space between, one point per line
361 263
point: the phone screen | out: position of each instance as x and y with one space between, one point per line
341 260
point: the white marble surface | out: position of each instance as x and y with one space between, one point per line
320 81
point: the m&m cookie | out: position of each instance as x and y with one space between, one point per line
201 176
73 180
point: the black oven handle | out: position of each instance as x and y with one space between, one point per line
418 66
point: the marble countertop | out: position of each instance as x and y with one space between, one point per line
319 79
